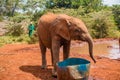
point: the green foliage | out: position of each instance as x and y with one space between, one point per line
18 18
8 7
15 29
114 32
116 13
17 25
1 18
75 4
35 3
33 40
71 12
50 4
58 3
24 38
36 16
100 28
13 39
102 24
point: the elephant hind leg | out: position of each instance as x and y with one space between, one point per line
43 54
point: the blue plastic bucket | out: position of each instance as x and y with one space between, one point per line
73 69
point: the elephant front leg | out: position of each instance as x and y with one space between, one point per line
55 50
66 50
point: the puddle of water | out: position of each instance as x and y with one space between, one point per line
114 53
108 49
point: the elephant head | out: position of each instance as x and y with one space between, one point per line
71 28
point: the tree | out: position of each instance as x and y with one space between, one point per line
116 14
102 24
3 6
14 7
34 5
87 4
8 7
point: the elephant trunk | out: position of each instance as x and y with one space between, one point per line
90 43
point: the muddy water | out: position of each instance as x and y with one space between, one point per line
108 49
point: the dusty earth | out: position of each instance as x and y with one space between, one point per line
23 61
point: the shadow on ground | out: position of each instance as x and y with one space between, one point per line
43 74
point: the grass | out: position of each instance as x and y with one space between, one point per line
14 39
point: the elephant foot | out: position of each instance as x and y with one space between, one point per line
43 67
54 74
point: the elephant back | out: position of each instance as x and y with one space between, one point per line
43 28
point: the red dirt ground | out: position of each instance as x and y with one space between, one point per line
23 61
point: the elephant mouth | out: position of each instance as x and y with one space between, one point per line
76 38
79 38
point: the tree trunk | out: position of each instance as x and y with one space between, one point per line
15 5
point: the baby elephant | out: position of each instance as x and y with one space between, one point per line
56 30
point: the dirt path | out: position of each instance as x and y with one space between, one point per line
22 62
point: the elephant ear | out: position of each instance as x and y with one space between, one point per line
62 29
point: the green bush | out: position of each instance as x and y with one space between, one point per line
14 29
114 32
116 14
24 38
71 12
100 28
1 18
33 39
36 16
101 24
7 40
18 18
